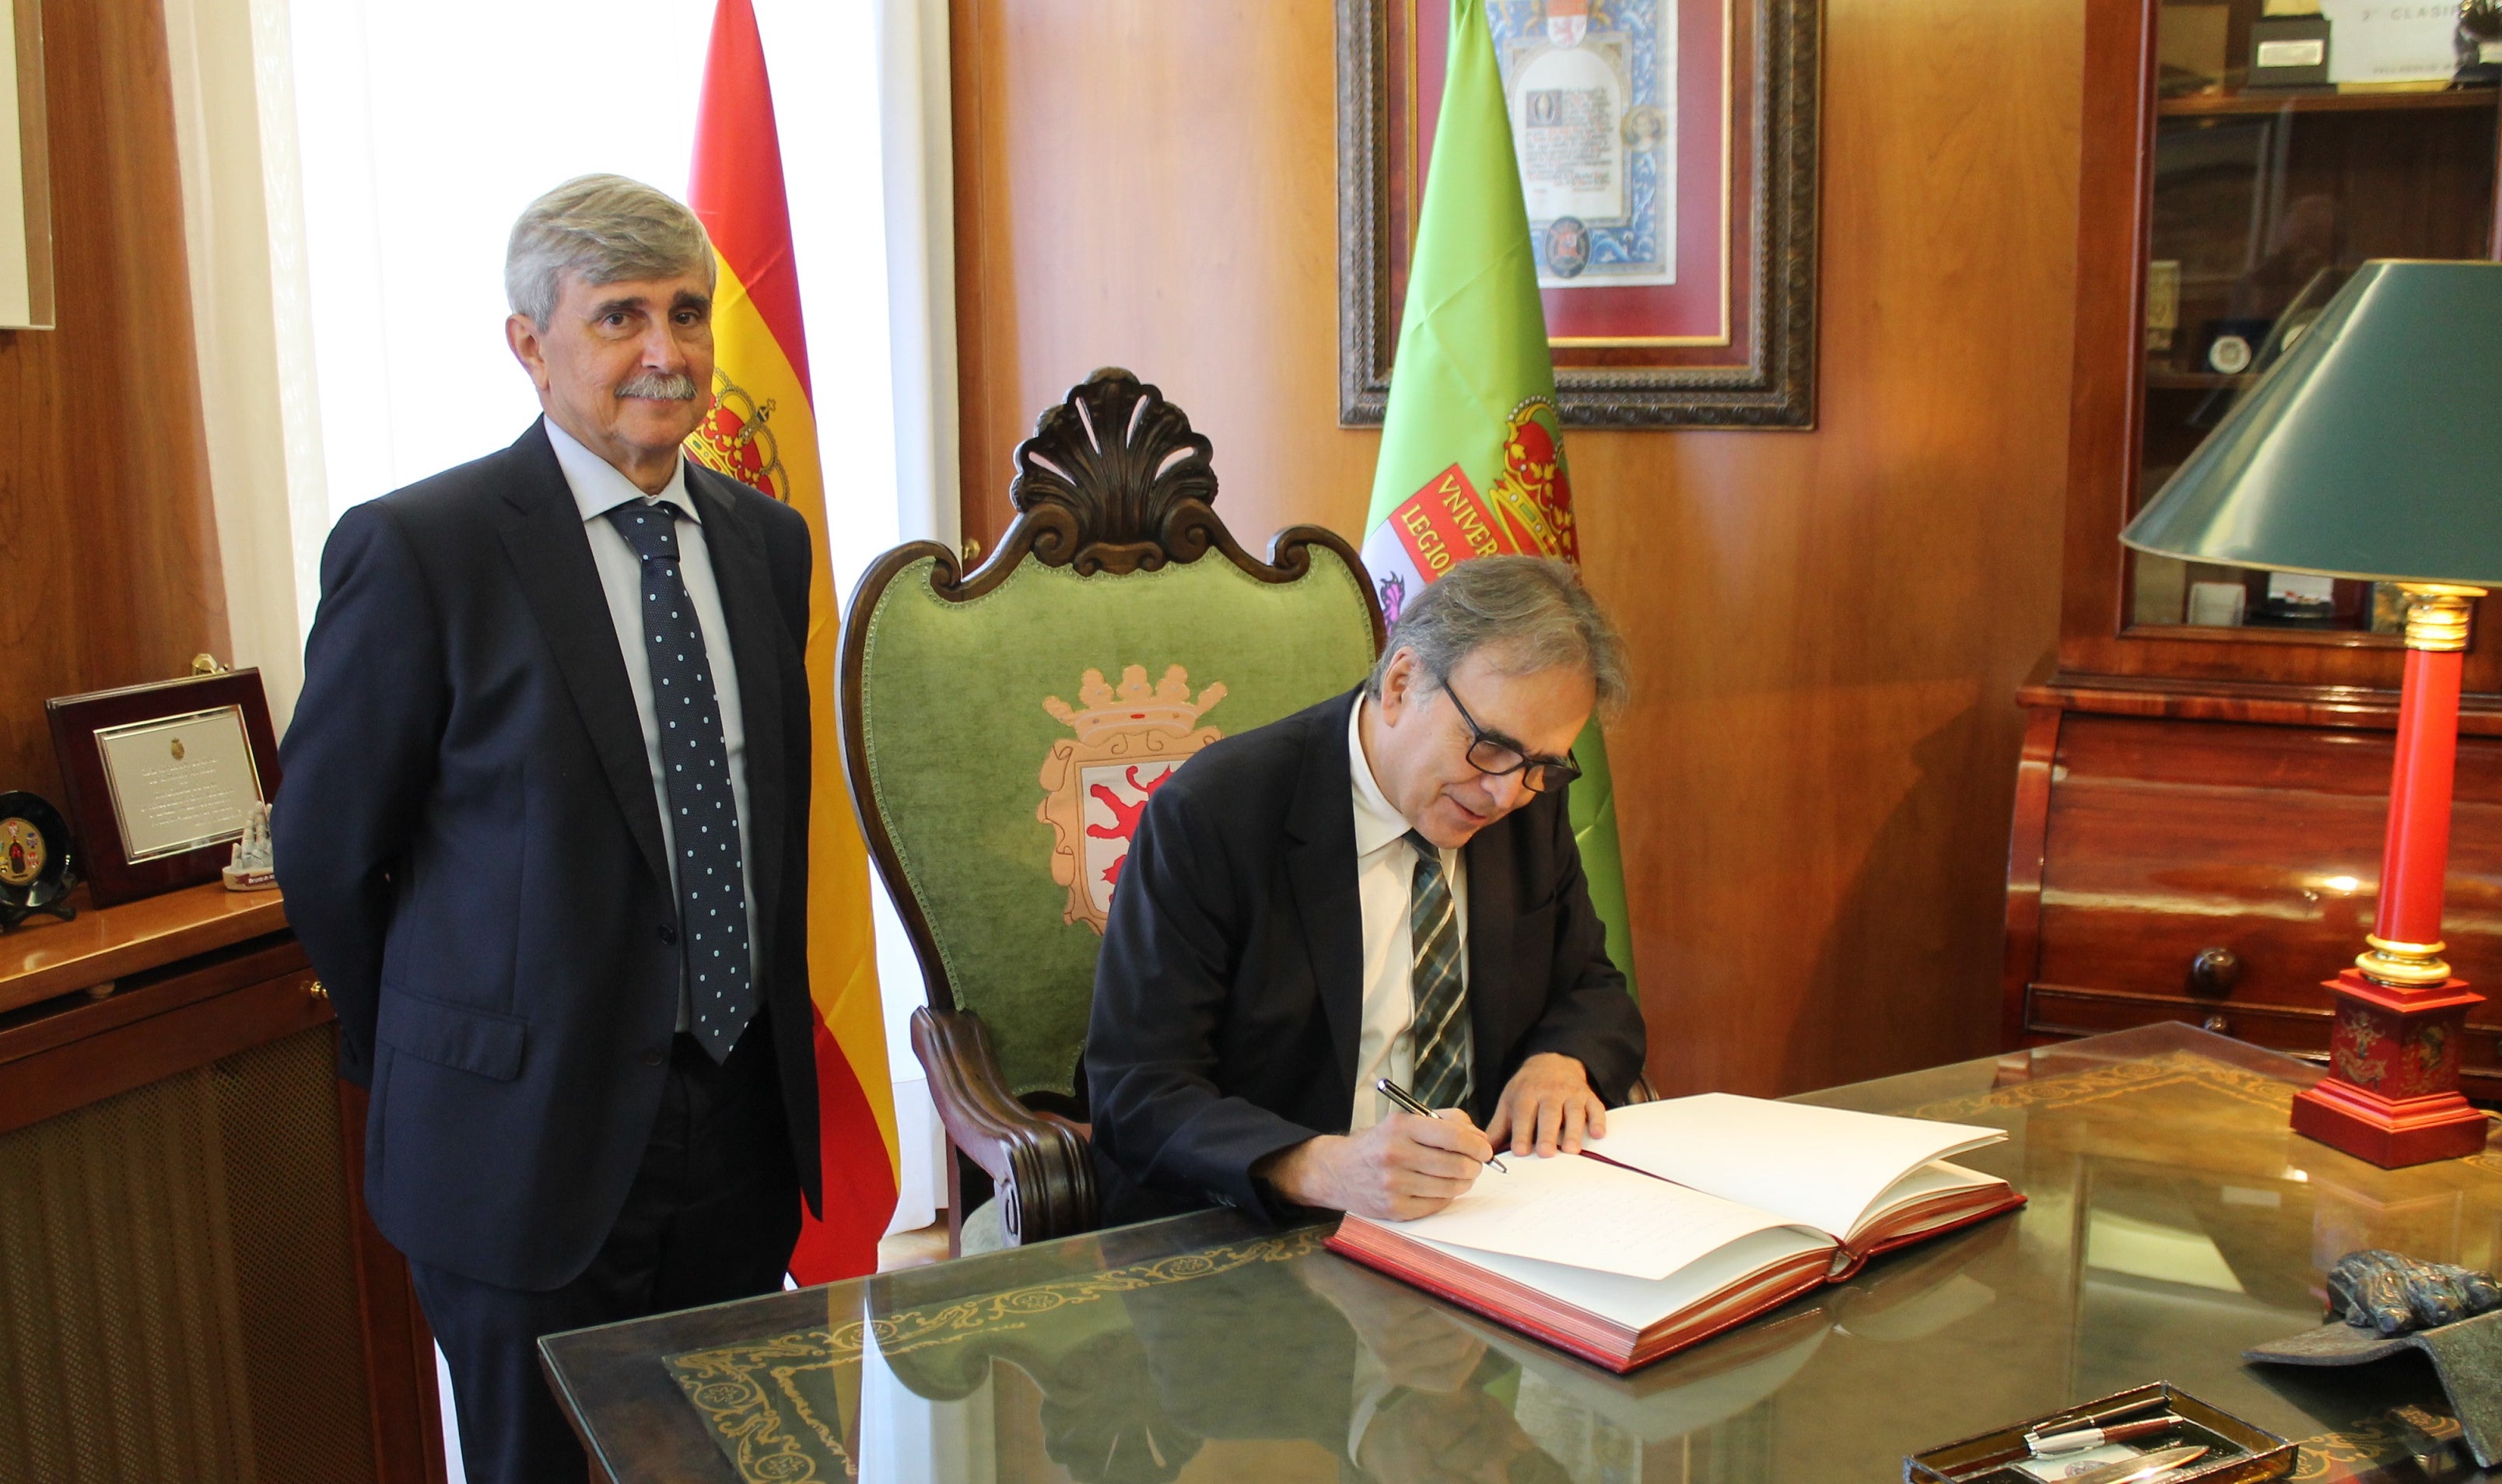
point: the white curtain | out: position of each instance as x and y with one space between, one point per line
350 169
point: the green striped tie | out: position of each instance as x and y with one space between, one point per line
1440 1034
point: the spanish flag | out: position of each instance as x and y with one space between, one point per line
763 431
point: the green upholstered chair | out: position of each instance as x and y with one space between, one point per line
1003 727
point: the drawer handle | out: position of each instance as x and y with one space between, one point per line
2215 971
2218 1023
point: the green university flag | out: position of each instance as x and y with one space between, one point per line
1472 449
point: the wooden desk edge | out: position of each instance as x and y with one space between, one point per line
105 943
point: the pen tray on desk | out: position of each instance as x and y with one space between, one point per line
2238 1452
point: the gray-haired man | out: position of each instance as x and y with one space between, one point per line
543 833
1382 886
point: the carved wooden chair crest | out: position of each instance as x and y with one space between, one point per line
1005 727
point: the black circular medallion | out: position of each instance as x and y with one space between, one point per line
34 854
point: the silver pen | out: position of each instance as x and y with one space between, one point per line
1410 1102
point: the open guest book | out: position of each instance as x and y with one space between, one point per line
1693 1214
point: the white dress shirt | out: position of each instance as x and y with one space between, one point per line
1385 874
599 487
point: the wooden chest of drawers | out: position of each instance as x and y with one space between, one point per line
2214 860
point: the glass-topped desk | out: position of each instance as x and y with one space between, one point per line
2175 1220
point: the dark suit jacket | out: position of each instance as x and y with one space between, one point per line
1229 1000
471 853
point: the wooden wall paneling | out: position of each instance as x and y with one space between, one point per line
2110 283
1828 628
1155 187
2026 851
106 530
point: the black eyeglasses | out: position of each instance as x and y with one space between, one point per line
1494 755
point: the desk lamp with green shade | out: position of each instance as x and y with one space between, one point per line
2373 451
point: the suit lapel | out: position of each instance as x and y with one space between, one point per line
1320 862
1492 891
758 644
551 556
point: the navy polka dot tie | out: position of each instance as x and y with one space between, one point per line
704 813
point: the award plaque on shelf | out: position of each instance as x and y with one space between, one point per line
163 777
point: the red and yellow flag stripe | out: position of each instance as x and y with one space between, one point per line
764 431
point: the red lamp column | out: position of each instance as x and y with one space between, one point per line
2391 1092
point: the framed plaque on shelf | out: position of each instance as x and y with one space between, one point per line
161 778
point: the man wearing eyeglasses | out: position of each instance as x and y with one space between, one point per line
1384 887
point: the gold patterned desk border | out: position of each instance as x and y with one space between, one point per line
723 1382
2368 1444
2111 1080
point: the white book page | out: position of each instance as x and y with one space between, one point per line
1822 1168
1586 1214
1638 1303
1932 1179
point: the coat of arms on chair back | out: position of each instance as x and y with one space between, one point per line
1005 727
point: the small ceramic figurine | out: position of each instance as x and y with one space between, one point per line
250 870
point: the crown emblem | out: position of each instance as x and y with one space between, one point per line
1167 706
1129 741
736 438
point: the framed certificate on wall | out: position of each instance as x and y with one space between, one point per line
1667 155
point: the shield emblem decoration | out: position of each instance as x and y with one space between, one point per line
1567 21
1095 784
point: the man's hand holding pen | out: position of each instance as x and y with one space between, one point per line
1404 1166
1414 1162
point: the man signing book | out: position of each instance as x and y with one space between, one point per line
1384 885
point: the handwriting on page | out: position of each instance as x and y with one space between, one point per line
1590 1215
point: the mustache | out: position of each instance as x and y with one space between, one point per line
660 386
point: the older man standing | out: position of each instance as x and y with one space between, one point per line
543 833
1382 886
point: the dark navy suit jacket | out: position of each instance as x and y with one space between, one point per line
472 856
1229 1000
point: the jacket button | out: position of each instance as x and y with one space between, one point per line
652 1057
668 934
